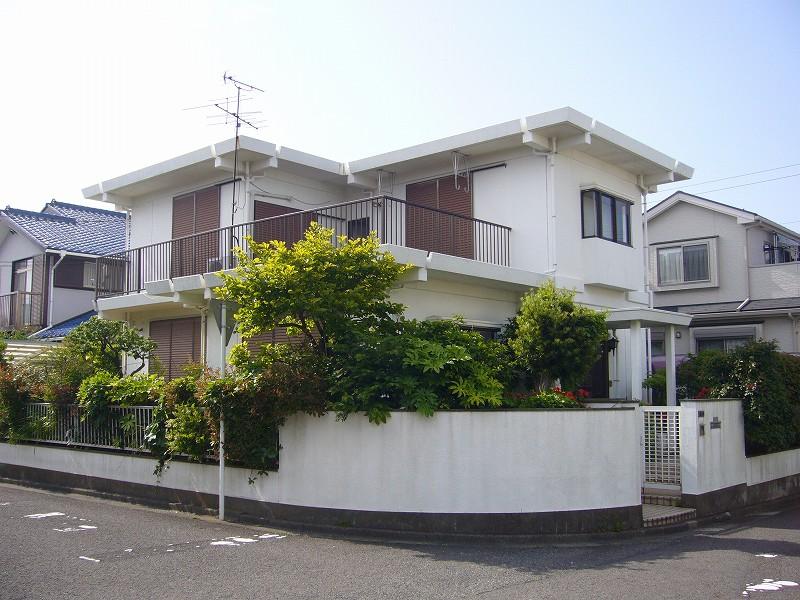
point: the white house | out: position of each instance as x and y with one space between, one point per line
47 265
482 216
736 272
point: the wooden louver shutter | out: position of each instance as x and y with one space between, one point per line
194 214
434 231
178 344
289 229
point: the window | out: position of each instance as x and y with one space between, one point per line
683 264
89 270
657 346
22 275
606 216
358 228
725 344
74 272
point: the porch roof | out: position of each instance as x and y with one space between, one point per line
621 318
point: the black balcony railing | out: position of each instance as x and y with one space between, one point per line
395 221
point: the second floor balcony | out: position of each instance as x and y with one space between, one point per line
395 221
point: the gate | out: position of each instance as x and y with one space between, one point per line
661 445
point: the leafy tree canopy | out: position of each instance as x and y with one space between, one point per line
102 343
320 287
556 338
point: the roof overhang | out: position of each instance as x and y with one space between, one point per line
621 318
547 132
551 131
254 156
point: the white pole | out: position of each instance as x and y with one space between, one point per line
669 348
223 335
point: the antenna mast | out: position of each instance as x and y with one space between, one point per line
238 120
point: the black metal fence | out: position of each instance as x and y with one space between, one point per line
395 221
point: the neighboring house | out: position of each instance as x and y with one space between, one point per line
736 272
48 262
482 216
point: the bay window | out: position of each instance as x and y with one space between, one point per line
606 216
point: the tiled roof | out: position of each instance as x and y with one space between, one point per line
73 228
60 330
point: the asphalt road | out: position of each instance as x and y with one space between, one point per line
71 546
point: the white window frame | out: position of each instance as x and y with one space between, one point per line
713 270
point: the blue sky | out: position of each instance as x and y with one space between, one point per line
95 89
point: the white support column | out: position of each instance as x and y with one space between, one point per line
636 359
669 350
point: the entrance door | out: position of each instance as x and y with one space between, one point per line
596 382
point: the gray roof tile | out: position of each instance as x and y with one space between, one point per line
73 228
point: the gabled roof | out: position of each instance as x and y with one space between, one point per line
60 330
71 227
741 215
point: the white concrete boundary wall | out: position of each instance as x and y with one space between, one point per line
715 459
769 467
455 462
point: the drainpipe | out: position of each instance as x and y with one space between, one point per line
551 204
61 255
647 287
795 332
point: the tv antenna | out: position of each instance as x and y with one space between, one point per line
238 120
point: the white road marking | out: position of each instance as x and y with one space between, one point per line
767 555
89 558
4 503
243 540
87 526
45 515
224 543
769 585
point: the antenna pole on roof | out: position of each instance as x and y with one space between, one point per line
238 121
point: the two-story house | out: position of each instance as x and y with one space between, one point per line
482 216
736 272
48 261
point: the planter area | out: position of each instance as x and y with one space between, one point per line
459 472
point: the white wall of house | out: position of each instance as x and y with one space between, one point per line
15 247
455 462
588 259
68 303
448 299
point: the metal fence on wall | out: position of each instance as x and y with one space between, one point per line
122 428
662 448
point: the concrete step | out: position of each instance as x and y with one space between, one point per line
661 500
659 515
22 349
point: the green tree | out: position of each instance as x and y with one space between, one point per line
320 287
556 338
102 343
